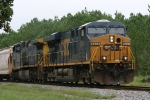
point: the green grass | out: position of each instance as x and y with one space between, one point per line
138 81
18 92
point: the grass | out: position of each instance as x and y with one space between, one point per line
18 92
138 81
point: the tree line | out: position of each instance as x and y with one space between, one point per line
138 30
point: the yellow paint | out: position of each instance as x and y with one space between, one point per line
111 56
45 50
40 40
68 64
65 44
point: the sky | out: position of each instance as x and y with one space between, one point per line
26 10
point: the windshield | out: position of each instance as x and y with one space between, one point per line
116 30
96 30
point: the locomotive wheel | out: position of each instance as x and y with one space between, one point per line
84 81
76 82
98 84
33 74
91 83
118 84
13 76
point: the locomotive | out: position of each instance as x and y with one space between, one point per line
96 52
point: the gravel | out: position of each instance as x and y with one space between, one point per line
120 94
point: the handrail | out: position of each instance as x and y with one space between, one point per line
92 57
40 62
133 59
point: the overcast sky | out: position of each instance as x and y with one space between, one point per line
25 10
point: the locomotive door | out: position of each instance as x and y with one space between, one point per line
62 52
115 50
82 50
73 46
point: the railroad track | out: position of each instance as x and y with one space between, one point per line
137 88
133 88
113 87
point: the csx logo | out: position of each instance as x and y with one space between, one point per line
111 47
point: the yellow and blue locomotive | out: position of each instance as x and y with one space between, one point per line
96 52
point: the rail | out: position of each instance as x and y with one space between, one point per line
132 58
40 62
92 57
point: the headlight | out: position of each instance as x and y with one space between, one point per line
111 38
125 57
104 57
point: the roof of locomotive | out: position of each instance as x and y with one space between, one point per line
56 36
104 23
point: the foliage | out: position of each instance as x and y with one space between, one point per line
139 81
138 30
6 13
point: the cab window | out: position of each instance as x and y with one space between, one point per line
97 30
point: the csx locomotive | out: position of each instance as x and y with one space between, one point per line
96 52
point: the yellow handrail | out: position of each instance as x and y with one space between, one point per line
92 57
133 59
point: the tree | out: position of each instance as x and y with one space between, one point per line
6 13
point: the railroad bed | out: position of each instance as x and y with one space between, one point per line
121 92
